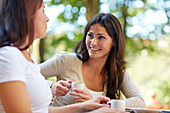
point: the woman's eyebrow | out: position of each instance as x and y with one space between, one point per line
101 34
90 32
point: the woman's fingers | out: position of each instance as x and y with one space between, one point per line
61 92
61 87
66 83
84 95
79 100
80 91
81 95
101 99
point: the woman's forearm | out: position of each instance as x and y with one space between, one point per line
135 102
74 108
83 107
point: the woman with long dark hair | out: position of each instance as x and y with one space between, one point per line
98 63
22 87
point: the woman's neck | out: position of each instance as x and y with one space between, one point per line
96 67
94 73
27 55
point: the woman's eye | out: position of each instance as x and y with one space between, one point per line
101 37
89 35
44 10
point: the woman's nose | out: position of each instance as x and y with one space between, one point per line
47 19
94 41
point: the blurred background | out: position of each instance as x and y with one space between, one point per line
146 26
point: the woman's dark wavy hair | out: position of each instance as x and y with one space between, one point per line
17 21
115 63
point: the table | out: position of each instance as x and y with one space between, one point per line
145 110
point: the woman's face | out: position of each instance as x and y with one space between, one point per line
98 42
40 22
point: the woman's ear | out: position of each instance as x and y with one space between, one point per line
113 43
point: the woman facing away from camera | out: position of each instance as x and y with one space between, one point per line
22 87
98 63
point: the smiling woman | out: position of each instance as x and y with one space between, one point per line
98 63
22 87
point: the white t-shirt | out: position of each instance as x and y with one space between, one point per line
15 67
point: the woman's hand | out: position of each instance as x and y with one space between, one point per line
84 95
98 105
61 88
94 104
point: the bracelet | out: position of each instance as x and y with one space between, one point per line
51 85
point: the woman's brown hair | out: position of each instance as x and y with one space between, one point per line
115 63
17 22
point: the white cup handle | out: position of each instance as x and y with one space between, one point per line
109 104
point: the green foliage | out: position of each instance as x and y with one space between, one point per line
60 42
72 9
152 70
163 89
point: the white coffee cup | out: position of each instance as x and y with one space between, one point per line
76 85
117 104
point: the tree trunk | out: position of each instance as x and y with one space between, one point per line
41 49
124 12
92 8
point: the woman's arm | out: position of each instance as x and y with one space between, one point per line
14 98
134 97
73 108
53 66
91 106
81 107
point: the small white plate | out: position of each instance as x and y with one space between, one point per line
143 110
